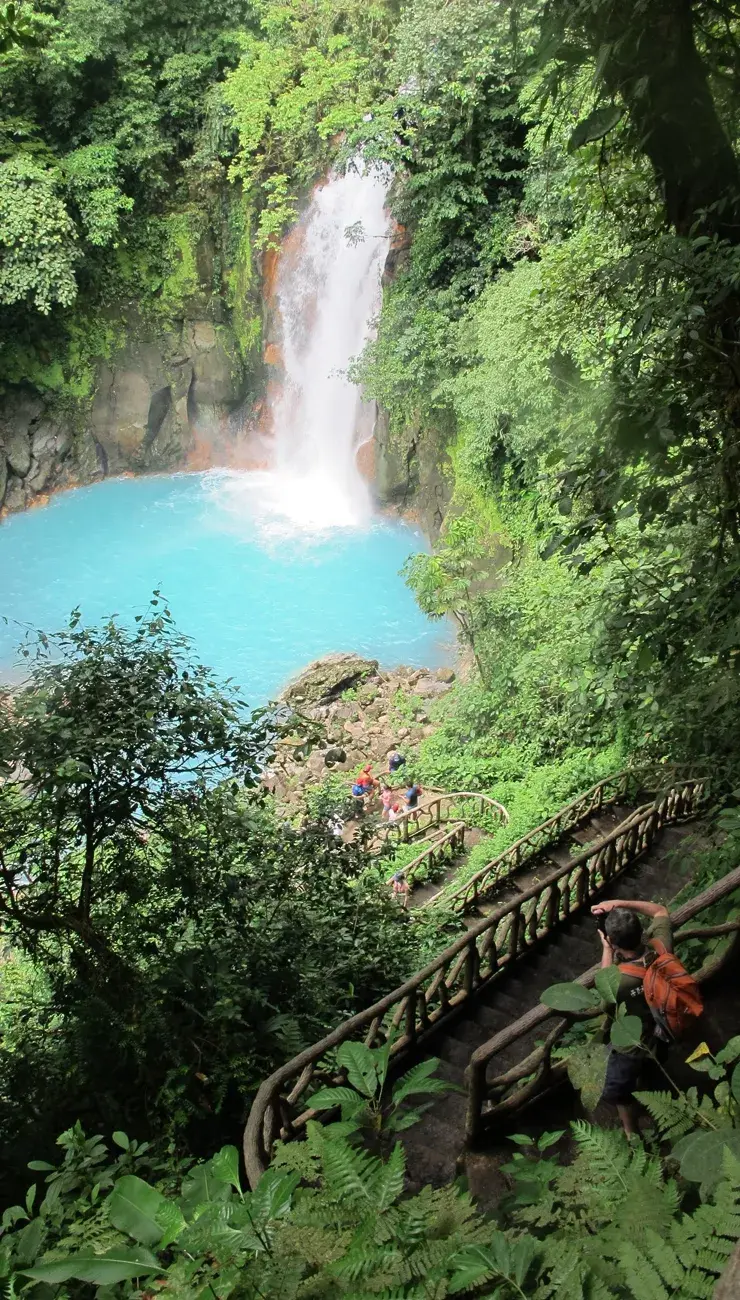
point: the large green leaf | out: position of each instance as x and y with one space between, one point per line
729 1052
626 1033
133 1207
273 1196
115 1265
503 1259
202 1187
225 1166
701 1154
359 1063
586 1067
570 997
327 1098
607 982
418 1081
595 126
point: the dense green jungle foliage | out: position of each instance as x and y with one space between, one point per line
565 323
131 132
151 974
563 328
329 1218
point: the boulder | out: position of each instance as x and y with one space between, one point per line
445 675
218 371
327 678
49 445
316 763
335 755
16 494
428 687
356 730
18 450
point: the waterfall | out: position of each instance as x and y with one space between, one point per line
325 299
328 293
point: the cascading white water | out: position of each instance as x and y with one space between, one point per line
327 295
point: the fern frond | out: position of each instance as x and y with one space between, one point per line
673 1118
640 1274
697 1286
607 1150
665 1259
386 1182
713 1261
348 1172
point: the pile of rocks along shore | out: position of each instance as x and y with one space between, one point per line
363 714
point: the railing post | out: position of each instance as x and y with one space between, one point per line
471 969
553 903
476 1080
411 1016
514 936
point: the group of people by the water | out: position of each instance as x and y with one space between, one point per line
394 803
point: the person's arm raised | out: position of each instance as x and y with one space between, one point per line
607 952
634 904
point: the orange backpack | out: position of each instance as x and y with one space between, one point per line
671 993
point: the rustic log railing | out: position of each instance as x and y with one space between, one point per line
491 1100
530 847
413 1012
436 852
435 811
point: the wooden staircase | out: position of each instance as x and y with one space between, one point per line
434 1145
518 934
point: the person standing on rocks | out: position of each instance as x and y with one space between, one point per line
386 798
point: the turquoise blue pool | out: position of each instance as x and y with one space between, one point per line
259 600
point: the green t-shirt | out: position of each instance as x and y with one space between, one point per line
630 990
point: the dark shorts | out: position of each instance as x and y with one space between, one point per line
622 1077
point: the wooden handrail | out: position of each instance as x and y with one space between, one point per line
454 977
529 846
433 806
539 1062
454 838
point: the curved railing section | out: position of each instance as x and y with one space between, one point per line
435 811
436 853
492 1100
413 1012
525 851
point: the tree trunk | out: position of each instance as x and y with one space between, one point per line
87 873
649 60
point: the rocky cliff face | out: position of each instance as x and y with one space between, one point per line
179 362
154 399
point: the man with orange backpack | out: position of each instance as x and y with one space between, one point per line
654 986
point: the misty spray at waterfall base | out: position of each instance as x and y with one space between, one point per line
327 297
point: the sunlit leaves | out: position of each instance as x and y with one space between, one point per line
38 250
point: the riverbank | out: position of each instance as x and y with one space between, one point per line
365 712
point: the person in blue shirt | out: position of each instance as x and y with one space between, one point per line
411 795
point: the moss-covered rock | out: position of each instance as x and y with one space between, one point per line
327 678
